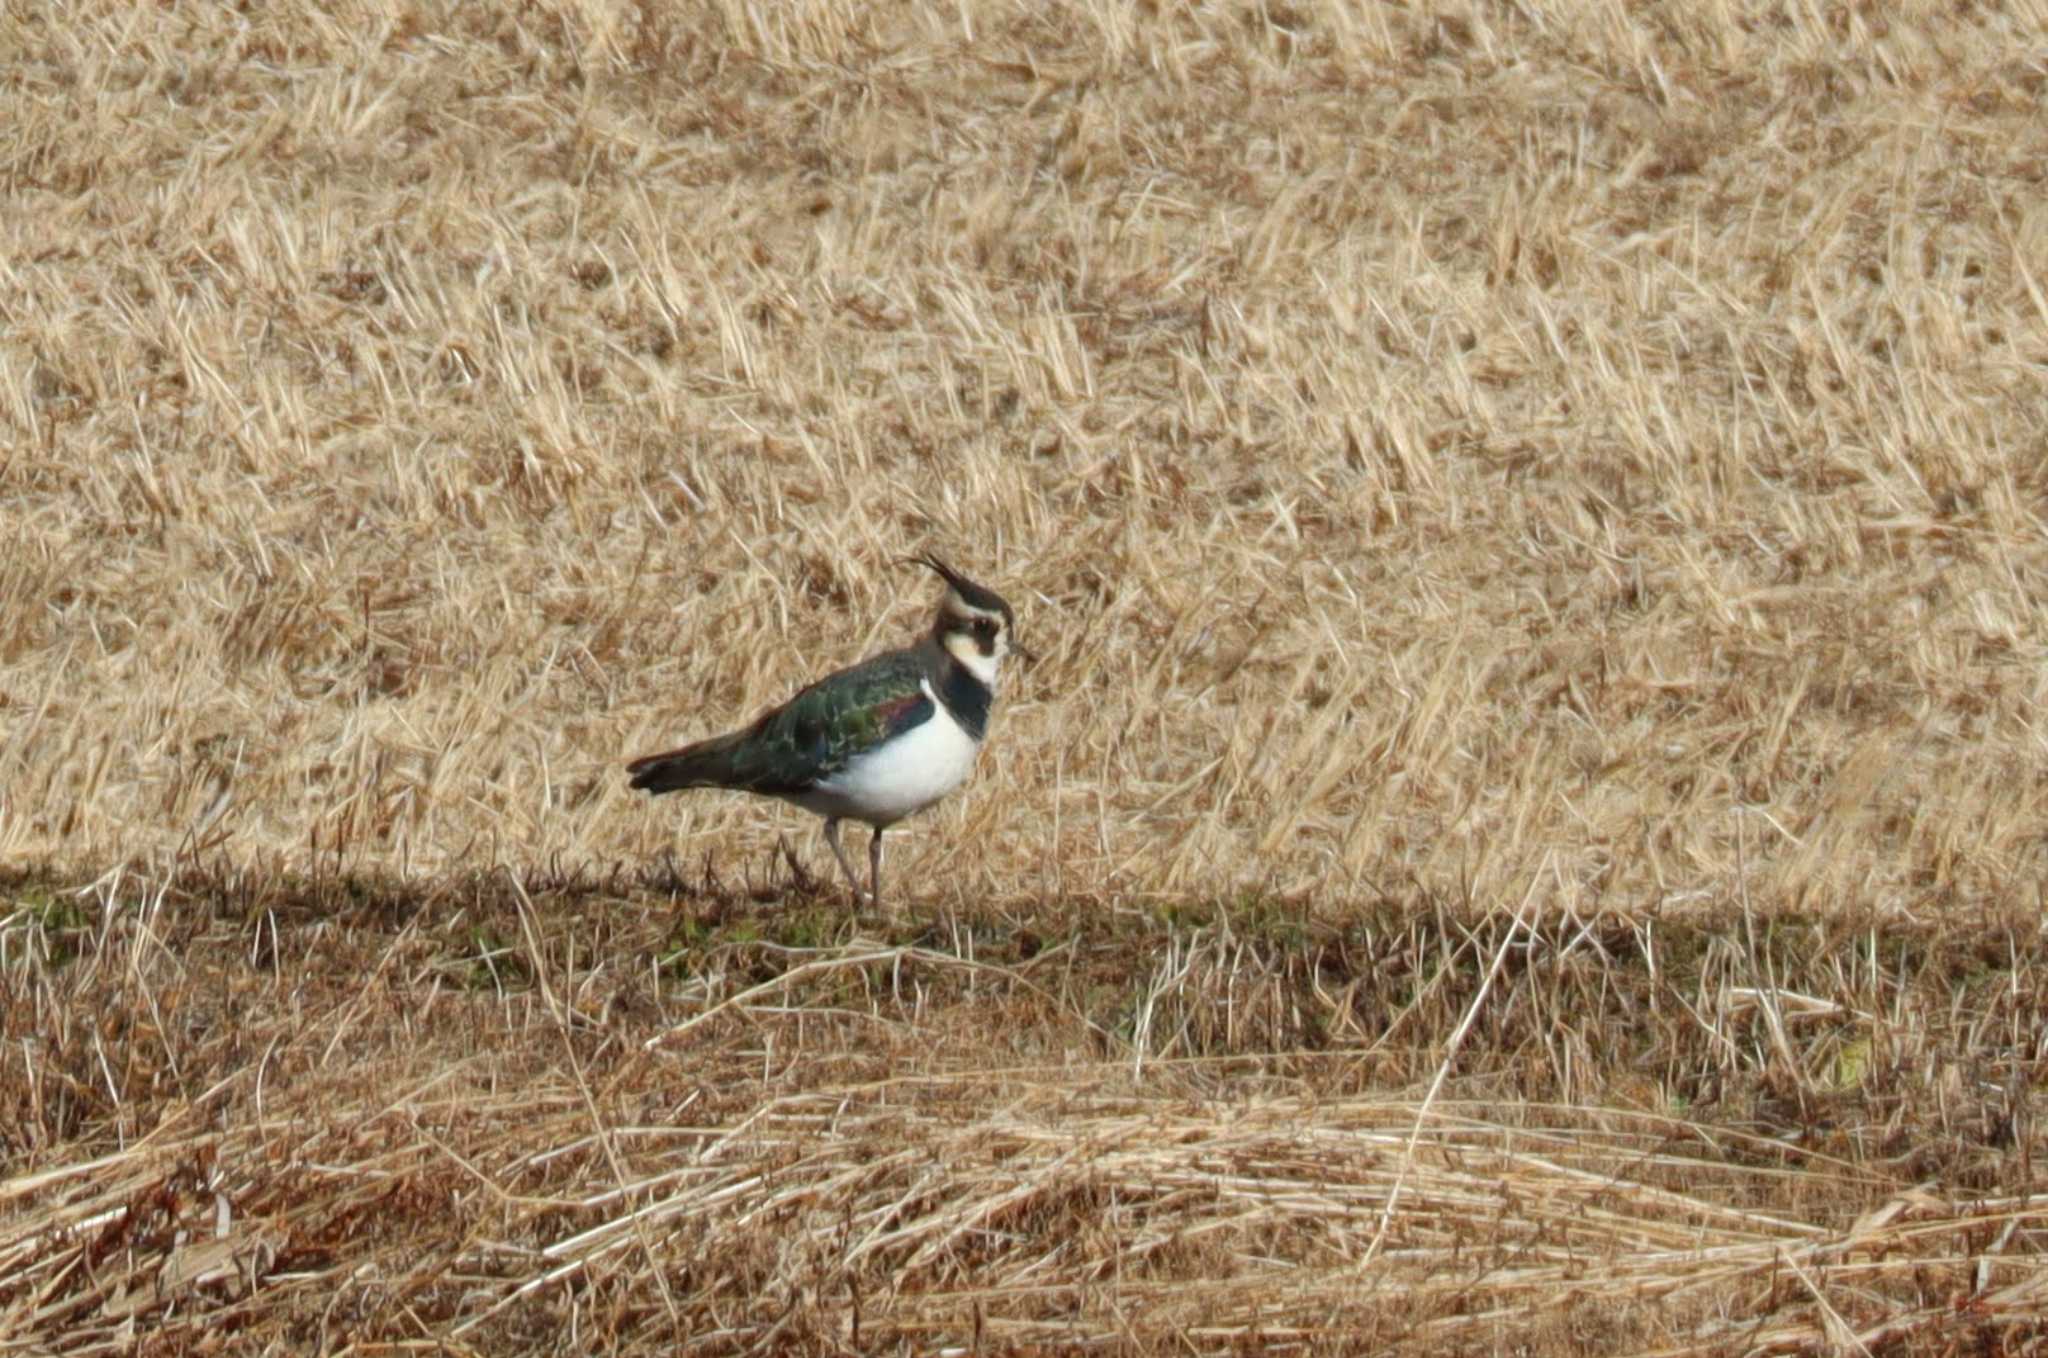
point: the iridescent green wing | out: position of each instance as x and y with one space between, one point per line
818 732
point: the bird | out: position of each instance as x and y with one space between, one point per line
874 742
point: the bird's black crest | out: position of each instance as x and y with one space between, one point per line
976 596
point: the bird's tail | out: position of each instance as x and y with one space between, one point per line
707 763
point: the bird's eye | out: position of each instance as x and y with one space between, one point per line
984 627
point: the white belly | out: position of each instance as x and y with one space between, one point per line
905 775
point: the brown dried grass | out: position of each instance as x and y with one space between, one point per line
1524 833
747 1128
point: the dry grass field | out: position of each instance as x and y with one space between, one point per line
1525 834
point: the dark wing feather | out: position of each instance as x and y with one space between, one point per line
790 748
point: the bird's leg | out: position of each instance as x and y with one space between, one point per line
832 838
875 868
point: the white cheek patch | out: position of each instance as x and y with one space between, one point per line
961 647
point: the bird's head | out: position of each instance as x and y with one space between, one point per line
974 626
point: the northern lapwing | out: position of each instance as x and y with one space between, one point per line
874 742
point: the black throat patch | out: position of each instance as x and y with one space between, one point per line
965 696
